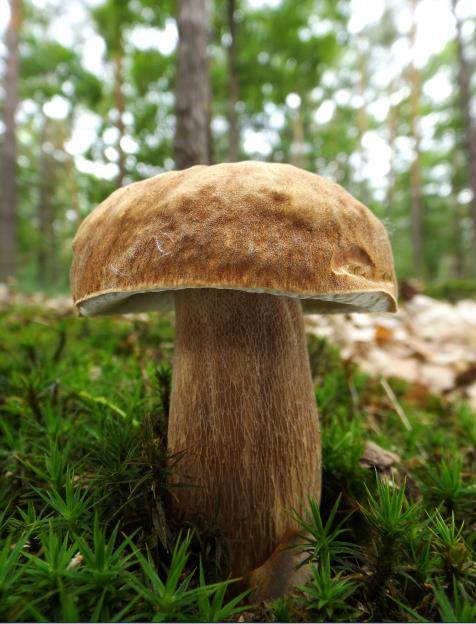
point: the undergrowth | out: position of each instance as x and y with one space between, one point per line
84 530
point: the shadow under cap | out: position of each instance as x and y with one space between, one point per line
163 301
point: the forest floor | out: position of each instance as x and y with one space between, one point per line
84 531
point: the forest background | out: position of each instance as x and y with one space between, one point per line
375 94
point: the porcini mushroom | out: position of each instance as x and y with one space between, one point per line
240 248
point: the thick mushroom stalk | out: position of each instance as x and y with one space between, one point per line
243 413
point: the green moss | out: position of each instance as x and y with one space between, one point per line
84 533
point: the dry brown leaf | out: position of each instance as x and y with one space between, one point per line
382 334
417 394
374 456
467 377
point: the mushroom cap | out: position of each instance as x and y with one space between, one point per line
253 226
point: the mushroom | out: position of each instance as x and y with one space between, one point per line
241 249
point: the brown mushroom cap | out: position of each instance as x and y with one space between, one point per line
251 226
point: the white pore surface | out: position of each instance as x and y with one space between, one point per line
163 300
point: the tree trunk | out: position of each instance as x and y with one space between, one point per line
71 176
458 266
45 210
415 170
8 166
464 81
233 86
120 107
297 147
210 143
392 136
362 119
192 88
460 259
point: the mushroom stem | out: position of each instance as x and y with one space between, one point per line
243 413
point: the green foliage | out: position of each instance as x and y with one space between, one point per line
69 506
174 599
342 447
321 537
444 484
453 290
326 595
389 512
112 18
11 573
280 610
457 607
449 543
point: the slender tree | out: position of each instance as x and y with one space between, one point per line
112 18
380 37
45 207
362 116
458 252
42 78
416 168
8 167
192 87
233 85
464 82
392 120
120 110
297 147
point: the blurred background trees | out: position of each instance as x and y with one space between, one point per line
8 162
364 96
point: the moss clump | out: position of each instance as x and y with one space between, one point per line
84 533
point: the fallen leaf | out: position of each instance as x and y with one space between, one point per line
382 334
467 377
374 456
417 394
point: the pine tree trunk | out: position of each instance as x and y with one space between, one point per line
415 170
233 86
192 88
458 266
45 210
362 119
71 173
363 122
464 81
392 136
210 143
8 166
460 257
120 107
297 154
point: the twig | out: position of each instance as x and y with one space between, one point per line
396 405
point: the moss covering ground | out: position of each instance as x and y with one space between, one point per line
84 533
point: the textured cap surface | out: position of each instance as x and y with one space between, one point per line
251 225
